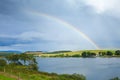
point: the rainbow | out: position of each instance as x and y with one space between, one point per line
67 25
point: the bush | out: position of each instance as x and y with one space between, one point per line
116 78
33 67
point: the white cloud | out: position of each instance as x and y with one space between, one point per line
100 5
109 7
105 6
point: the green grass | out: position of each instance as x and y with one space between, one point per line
2 77
26 74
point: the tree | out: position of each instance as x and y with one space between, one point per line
13 58
84 54
117 52
93 54
101 53
24 57
88 54
3 62
109 53
33 67
17 59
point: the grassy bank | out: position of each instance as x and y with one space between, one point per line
11 68
22 73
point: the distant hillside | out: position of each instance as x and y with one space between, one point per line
55 52
4 53
33 52
11 51
73 53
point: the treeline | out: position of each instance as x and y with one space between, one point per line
100 54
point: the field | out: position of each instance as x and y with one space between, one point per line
73 53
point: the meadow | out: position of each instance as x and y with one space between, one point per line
101 53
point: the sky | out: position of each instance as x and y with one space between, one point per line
52 25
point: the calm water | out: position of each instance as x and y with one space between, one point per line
92 68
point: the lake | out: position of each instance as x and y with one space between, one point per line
92 68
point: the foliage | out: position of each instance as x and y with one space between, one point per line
17 59
88 54
30 71
109 53
116 78
117 52
76 55
33 67
3 62
101 53
27 74
84 53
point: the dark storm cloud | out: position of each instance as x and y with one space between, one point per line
9 41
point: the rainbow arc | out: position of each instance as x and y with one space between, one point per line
67 25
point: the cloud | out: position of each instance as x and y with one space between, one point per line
25 31
8 41
105 6
23 38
